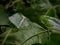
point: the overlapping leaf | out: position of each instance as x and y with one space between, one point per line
28 33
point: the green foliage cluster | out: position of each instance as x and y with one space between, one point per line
30 22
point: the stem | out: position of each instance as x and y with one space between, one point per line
7 5
6 37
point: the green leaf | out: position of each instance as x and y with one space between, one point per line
25 30
53 26
51 12
28 34
44 22
51 23
55 23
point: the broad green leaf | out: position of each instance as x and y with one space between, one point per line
16 19
28 34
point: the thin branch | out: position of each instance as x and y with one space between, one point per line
6 37
7 5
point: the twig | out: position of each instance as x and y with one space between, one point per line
7 5
6 37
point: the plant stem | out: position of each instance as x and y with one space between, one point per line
6 37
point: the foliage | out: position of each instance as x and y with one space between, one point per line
31 22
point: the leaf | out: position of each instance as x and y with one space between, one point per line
44 22
51 12
53 26
51 23
28 34
55 23
16 19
